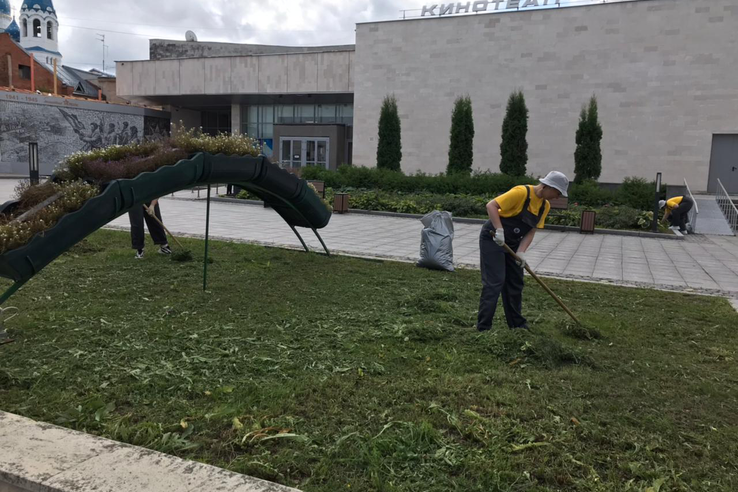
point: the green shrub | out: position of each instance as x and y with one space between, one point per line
608 217
588 155
590 194
461 148
365 178
637 193
246 195
389 146
514 146
418 203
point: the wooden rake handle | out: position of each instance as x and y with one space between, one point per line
152 213
545 287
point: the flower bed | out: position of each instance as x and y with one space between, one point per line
474 206
84 175
608 217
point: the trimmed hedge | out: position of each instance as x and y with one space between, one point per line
608 217
635 192
367 178
419 203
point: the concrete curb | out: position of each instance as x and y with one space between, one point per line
39 457
462 220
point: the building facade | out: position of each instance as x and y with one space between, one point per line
298 102
17 68
664 73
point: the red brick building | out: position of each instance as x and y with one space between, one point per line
16 70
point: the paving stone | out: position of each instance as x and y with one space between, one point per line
711 261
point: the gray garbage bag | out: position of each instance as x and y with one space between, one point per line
436 248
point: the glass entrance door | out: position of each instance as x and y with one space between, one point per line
304 151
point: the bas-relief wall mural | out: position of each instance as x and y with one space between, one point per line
63 131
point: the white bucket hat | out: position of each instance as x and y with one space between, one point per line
558 181
662 203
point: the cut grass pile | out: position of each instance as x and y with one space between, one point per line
332 374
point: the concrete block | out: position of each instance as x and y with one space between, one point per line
40 457
34 453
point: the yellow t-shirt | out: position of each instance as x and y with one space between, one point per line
511 203
677 200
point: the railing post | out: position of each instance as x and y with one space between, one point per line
695 208
727 207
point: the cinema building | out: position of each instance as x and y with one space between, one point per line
665 74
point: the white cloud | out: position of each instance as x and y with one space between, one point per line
128 26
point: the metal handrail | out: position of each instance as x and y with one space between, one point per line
727 206
695 209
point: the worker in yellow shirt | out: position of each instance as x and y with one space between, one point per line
513 220
677 212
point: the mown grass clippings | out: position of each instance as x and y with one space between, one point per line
181 255
329 373
579 331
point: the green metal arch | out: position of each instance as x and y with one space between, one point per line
287 194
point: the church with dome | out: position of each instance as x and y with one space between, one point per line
37 29
7 21
35 32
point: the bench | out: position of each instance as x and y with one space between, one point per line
561 203
558 204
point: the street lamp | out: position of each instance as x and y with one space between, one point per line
33 162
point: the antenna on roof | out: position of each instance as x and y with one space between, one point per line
191 36
101 37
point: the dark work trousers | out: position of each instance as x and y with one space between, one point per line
500 274
680 215
137 216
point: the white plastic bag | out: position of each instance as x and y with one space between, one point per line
436 248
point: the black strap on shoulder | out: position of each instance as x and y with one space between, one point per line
541 210
527 199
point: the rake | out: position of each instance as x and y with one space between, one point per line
542 284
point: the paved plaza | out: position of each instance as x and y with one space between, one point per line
699 263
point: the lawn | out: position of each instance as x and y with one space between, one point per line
332 374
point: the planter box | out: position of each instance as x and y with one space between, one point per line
341 203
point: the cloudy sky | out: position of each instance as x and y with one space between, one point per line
129 25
